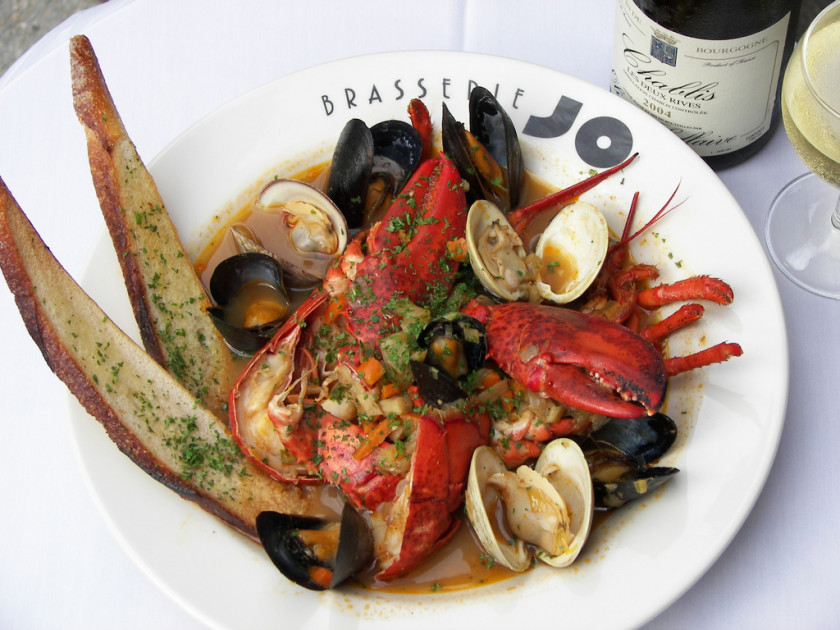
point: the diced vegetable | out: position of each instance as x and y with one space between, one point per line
371 370
373 439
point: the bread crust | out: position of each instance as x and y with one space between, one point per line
168 300
141 406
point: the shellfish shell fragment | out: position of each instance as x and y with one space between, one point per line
572 250
547 510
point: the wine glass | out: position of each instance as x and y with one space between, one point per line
803 227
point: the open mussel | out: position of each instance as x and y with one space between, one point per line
456 345
315 553
617 478
397 149
350 171
620 454
250 300
370 166
544 512
646 437
488 155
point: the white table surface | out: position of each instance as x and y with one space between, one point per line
61 566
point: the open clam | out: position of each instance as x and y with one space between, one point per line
544 512
313 229
497 254
571 251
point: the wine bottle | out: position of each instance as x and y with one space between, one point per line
709 70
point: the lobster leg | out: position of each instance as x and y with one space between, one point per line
695 288
716 354
685 315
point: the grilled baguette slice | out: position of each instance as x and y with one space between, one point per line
168 299
149 415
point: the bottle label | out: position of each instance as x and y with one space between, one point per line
716 95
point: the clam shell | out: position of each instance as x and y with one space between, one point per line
564 465
561 473
481 500
315 227
572 248
498 260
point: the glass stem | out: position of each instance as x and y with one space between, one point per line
835 217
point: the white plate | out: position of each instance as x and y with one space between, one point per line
648 554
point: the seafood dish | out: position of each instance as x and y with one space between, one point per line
392 332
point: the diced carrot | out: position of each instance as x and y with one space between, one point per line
389 390
509 400
373 439
335 307
371 370
457 249
321 575
489 379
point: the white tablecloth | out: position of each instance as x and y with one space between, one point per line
60 565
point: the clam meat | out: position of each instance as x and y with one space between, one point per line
315 230
544 512
497 254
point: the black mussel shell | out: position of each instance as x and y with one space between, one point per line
493 128
243 340
647 437
618 478
229 277
282 541
467 331
435 386
397 148
457 149
350 171
632 485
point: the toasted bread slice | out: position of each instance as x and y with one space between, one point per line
168 299
149 415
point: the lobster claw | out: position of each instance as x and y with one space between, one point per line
579 360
